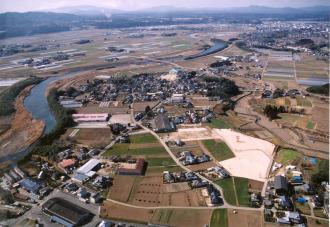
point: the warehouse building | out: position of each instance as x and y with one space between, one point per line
66 213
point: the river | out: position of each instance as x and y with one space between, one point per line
36 103
218 46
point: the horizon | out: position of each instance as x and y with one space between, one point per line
130 5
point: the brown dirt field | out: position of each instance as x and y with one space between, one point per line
177 187
245 218
94 137
150 191
201 166
320 115
312 223
233 50
255 185
121 188
309 66
182 217
24 129
114 211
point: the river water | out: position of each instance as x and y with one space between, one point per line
218 46
36 103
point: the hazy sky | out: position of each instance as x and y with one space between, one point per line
30 5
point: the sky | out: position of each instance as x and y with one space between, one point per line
36 5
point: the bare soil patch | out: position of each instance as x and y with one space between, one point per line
121 188
114 211
245 218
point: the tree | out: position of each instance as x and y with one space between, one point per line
322 174
278 93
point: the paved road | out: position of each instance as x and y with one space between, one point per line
183 207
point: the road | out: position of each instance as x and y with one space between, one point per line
170 153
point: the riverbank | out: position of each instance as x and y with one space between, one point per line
24 129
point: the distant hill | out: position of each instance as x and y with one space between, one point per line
79 17
322 89
86 10
21 24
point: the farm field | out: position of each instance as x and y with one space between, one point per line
244 218
91 137
144 145
122 187
219 123
309 67
228 190
287 156
219 150
219 218
150 191
241 185
115 211
182 217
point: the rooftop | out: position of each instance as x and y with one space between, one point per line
66 210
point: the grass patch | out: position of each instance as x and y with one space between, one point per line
219 123
124 149
310 125
303 102
242 191
220 151
160 161
286 156
228 190
143 138
219 218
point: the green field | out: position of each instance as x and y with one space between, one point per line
220 151
160 161
241 185
228 190
143 138
219 123
286 156
310 125
156 170
219 218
